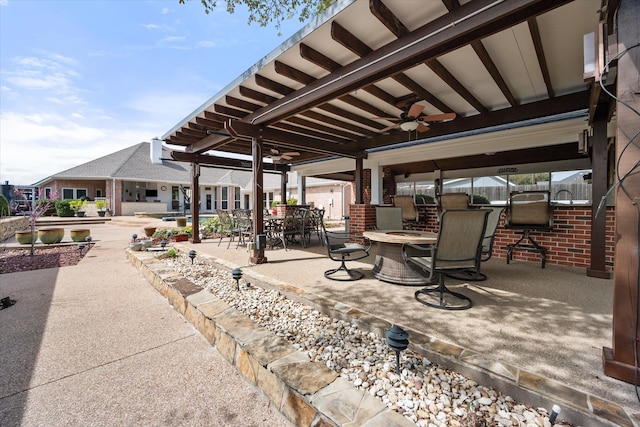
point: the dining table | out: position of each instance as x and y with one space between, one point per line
389 265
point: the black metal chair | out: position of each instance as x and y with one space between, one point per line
343 247
457 249
529 211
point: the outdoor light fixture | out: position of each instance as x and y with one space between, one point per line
236 273
163 244
555 411
192 255
398 340
409 126
81 247
6 302
88 240
134 237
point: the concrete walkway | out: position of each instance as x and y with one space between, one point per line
95 344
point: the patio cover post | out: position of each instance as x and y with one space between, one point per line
599 165
257 255
620 360
283 188
359 180
195 202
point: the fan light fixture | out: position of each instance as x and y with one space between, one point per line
408 126
275 158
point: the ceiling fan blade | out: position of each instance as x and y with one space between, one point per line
285 157
438 117
415 110
422 127
290 153
390 127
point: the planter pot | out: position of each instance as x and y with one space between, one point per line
101 213
148 231
50 235
79 234
135 246
181 237
181 221
80 213
25 237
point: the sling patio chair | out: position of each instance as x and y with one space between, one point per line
458 248
343 247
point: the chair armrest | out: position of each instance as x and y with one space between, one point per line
410 250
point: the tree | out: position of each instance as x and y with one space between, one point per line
36 210
265 11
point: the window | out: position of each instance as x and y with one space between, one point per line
74 193
571 187
236 197
225 198
98 192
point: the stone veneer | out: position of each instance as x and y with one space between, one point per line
311 395
9 225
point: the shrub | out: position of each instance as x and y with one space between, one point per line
163 233
210 225
4 206
184 230
63 208
292 201
78 204
101 204
479 199
172 253
50 205
275 203
424 199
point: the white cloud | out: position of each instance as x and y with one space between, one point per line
39 145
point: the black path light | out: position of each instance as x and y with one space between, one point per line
81 247
236 273
163 244
134 236
398 340
192 255
88 239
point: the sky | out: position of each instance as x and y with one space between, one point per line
80 79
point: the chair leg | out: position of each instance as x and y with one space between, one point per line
442 290
353 274
536 248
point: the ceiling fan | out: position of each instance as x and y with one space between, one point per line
410 119
277 155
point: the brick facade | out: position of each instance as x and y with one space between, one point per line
569 244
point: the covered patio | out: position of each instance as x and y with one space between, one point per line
374 91
533 334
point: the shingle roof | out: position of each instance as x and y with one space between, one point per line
134 164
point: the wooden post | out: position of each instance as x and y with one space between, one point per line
599 163
195 202
257 255
619 361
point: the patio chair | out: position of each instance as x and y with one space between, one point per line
458 249
452 201
388 218
245 227
410 213
227 227
343 247
317 218
493 219
529 212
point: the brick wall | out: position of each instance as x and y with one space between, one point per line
569 243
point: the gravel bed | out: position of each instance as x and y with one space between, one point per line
423 392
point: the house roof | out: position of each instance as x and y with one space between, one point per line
341 86
134 164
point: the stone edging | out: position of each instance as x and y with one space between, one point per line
310 394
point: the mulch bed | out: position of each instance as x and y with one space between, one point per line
17 260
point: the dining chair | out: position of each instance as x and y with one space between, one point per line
227 227
343 247
529 212
244 224
458 249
